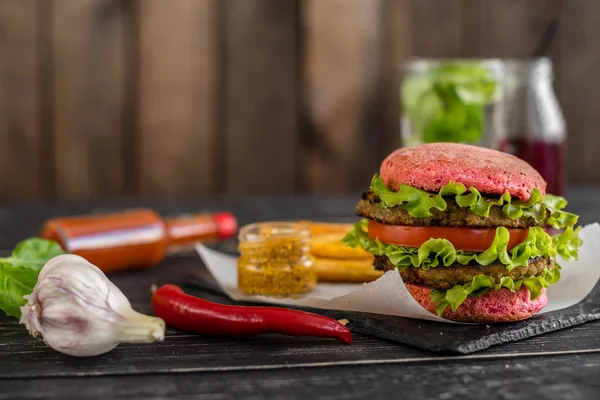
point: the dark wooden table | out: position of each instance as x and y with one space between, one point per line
558 365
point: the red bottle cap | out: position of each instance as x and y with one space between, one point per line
226 225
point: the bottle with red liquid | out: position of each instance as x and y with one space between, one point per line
529 122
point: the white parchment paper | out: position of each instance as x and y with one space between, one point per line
388 295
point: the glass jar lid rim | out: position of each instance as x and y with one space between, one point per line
536 66
273 229
510 62
477 59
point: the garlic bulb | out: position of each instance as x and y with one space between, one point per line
79 312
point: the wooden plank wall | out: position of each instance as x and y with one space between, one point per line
187 97
175 88
21 163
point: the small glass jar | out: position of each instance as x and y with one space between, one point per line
275 259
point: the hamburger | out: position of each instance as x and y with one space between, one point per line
468 230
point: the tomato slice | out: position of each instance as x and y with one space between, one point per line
470 239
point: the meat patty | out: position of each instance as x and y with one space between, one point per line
453 216
444 278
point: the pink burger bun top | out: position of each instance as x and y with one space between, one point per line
432 166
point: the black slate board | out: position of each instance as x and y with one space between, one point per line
436 336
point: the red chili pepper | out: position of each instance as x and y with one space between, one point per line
189 313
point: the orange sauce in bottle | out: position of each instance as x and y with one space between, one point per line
138 238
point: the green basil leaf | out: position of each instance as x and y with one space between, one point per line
15 282
32 252
19 272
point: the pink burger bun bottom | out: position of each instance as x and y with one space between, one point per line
493 306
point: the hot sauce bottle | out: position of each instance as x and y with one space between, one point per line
137 238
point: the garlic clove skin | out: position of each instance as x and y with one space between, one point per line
80 312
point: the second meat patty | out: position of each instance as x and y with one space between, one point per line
453 216
444 278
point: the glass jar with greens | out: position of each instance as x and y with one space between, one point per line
503 104
449 100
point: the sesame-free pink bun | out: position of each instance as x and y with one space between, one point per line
432 166
492 306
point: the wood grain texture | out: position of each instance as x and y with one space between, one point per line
579 88
88 81
515 28
20 132
436 28
158 98
177 114
260 109
472 14
344 65
184 352
573 377
396 50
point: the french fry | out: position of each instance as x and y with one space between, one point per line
346 271
335 262
326 240
321 228
331 246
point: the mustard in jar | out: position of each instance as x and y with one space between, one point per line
275 259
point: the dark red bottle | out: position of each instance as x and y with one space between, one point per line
546 157
529 122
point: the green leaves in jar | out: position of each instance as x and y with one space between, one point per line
446 103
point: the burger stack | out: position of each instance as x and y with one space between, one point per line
471 230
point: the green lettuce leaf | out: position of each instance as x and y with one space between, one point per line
567 243
440 252
558 219
480 284
419 203
19 272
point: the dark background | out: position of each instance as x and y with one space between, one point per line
186 97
